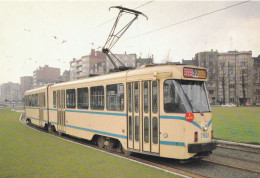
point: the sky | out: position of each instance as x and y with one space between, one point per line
34 34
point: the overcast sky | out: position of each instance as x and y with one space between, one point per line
34 34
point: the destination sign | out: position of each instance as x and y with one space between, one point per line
194 73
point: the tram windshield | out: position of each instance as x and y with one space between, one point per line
181 96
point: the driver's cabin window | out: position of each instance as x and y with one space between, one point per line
172 99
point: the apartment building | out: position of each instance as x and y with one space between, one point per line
45 75
232 76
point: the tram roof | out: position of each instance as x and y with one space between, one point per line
172 70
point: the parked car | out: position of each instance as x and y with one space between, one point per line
229 105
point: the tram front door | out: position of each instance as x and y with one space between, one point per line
143 116
61 111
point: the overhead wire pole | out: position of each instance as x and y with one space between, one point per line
190 19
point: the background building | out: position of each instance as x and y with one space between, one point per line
256 79
144 61
45 75
209 59
230 76
97 63
26 84
65 76
10 92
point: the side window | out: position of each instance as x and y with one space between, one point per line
129 97
115 97
146 96
146 130
136 96
155 97
36 100
155 130
30 100
54 99
70 98
97 97
82 98
33 100
172 100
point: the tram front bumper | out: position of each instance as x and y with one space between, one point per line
202 147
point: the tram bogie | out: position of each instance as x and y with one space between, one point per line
157 110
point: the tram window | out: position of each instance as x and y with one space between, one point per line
97 97
33 100
155 97
146 96
30 100
155 130
136 128
70 98
136 95
115 97
130 124
82 98
172 100
146 130
36 100
129 98
54 99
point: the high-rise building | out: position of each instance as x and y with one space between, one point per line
45 75
26 84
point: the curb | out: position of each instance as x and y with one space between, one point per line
238 144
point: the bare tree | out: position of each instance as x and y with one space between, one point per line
167 57
223 79
243 71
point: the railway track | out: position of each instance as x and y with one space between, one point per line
206 167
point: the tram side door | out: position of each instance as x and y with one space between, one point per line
41 105
133 116
61 110
150 119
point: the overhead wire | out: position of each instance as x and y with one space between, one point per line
186 20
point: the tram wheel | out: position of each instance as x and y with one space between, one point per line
28 122
59 133
101 141
50 128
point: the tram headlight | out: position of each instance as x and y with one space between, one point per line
205 127
165 135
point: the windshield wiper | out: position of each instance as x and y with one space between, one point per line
189 101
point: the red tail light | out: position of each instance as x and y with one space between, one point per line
211 134
195 136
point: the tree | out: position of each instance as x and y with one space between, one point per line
244 70
223 78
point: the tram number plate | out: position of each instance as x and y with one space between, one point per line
204 135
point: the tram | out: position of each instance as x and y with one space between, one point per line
155 110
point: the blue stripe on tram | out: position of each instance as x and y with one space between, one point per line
172 143
179 118
97 131
95 112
